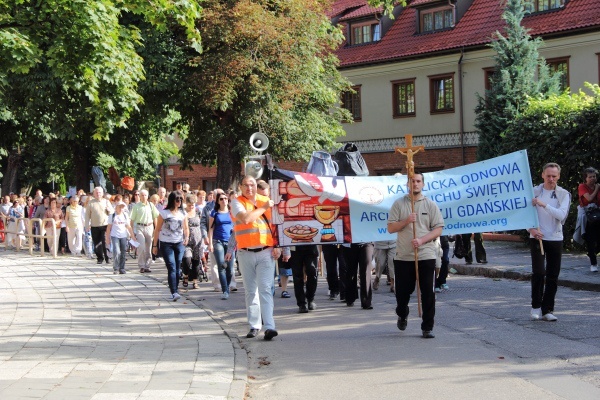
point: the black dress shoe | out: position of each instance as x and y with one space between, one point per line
270 334
482 262
252 333
402 322
333 296
428 335
367 307
99 262
312 306
302 309
350 304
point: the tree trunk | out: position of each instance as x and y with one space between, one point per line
228 165
81 163
10 180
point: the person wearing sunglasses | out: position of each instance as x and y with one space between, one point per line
174 232
221 225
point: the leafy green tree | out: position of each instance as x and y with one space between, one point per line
267 65
70 73
513 81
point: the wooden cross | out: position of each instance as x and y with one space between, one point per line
409 151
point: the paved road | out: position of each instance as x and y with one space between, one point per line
71 329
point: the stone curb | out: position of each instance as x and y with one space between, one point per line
518 275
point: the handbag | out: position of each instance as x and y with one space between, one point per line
350 161
593 216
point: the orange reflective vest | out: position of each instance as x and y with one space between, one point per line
257 233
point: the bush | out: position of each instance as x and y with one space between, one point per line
564 129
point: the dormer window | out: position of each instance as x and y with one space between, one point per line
365 32
436 19
533 6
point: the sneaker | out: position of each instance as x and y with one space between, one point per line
593 268
175 296
159 259
99 262
232 289
302 309
536 313
437 290
252 333
428 335
402 323
225 296
115 272
333 296
445 286
122 272
312 306
285 295
549 317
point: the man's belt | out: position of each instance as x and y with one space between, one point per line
256 250
151 223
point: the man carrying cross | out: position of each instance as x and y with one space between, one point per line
428 223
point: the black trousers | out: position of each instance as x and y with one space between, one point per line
480 255
545 271
305 260
333 255
190 267
441 279
406 279
592 237
358 258
99 240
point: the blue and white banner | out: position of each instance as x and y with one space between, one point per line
488 196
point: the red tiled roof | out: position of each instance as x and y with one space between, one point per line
361 12
419 2
343 5
475 28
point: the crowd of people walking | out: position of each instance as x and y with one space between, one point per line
199 234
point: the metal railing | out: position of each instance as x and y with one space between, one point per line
11 229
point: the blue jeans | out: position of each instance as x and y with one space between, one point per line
225 267
172 254
119 246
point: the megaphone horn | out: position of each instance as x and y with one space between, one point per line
259 141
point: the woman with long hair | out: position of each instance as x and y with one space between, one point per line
174 233
220 226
